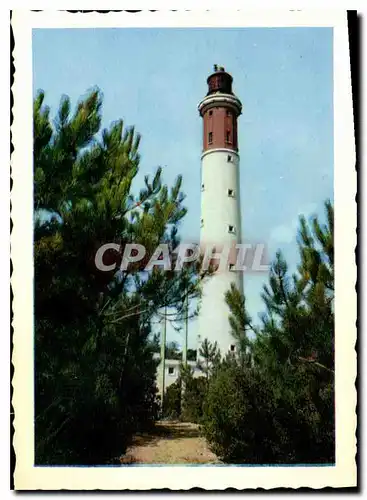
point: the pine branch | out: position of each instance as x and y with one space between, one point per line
316 363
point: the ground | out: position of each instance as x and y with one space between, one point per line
170 443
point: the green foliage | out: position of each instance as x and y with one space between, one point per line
173 351
172 401
193 393
184 399
298 326
238 415
240 323
94 367
274 401
247 421
191 354
209 357
155 343
193 399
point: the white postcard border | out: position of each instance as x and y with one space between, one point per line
182 477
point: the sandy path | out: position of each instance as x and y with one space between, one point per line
170 443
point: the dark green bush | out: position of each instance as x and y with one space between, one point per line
193 398
248 420
172 402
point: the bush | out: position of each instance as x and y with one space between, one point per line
193 399
172 402
185 404
247 419
237 419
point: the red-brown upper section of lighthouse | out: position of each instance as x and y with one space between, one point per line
220 128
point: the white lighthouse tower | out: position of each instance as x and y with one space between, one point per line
220 203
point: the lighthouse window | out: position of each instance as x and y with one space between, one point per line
231 193
210 113
231 229
171 370
232 348
201 222
231 267
229 158
202 187
228 113
210 137
228 136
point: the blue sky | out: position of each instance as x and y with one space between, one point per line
154 78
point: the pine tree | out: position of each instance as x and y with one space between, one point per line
298 326
210 354
240 322
296 344
173 351
281 402
94 368
155 343
191 354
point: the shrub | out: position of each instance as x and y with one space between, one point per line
172 402
193 398
238 416
248 419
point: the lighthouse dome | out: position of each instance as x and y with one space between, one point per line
219 81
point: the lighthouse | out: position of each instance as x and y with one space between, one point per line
220 205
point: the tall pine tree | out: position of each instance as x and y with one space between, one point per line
94 368
281 401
